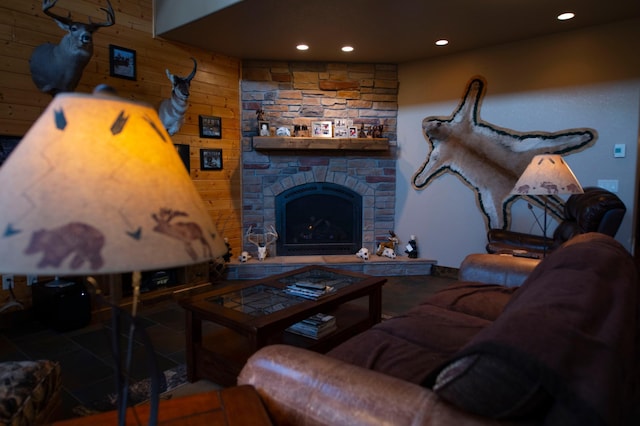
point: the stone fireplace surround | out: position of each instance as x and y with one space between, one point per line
372 175
265 174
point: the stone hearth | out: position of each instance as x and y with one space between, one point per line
376 265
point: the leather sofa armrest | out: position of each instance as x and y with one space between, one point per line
510 271
300 387
501 241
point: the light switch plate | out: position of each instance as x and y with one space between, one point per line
608 184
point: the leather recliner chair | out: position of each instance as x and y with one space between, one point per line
596 210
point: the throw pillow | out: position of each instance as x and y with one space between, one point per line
484 384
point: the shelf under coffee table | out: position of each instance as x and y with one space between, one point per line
226 326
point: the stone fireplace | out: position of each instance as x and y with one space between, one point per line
318 218
354 194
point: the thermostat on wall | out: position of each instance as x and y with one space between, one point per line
619 150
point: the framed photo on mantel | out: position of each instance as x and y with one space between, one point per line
321 129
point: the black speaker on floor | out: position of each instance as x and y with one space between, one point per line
62 305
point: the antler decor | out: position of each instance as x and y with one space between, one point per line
262 243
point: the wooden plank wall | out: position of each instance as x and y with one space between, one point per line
214 89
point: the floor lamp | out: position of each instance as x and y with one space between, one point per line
547 174
96 187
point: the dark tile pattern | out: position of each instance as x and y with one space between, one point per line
86 355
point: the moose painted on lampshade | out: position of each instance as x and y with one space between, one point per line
58 67
172 110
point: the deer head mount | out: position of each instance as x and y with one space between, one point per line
58 67
263 242
172 110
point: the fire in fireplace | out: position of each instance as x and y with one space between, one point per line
318 218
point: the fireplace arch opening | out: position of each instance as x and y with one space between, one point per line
318 218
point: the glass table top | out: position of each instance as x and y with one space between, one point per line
262 299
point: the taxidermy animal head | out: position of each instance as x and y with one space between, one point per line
172 110
58 67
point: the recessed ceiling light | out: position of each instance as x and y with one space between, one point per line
302 47
442 42
566 16
347 48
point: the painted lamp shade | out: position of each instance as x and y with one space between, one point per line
96 186
547 174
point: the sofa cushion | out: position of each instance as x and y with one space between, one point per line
481 300
573 326
410 346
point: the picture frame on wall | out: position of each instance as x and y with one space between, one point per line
210 126
321 129
210 159
122 62
7 145
183 152
263 128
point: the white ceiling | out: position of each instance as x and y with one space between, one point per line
384 31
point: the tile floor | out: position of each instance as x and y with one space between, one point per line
85 354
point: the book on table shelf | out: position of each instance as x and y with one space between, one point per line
309 290
315 327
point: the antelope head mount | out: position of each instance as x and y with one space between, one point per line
172 110
58 67
263 242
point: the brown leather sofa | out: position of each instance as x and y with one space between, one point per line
596 210
561 349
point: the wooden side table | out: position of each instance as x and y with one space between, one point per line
235 406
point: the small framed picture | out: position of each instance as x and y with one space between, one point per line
210 159
210 127
122 62
353 132
183 152
7 144
263 128
321 129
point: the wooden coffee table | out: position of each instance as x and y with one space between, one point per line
226 326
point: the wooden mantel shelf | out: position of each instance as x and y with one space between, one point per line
299 143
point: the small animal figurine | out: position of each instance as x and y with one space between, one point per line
387 252
363 253
412 248
391 244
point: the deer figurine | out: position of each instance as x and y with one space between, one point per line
58 67
172 110
263 243
187 232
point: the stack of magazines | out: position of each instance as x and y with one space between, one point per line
314 327
309 290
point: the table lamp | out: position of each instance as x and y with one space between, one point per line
96 187
547 174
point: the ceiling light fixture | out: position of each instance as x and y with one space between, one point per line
347 48
302 47
442 42
566 16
